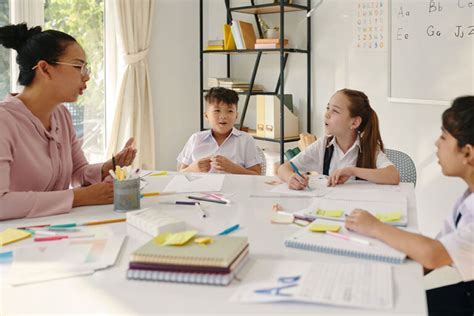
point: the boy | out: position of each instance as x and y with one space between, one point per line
222 148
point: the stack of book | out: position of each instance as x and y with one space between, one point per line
268 43
215 45
215 263
243 34
233 84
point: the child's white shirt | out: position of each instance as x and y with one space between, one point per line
239 147
312 159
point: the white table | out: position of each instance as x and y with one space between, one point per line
108 291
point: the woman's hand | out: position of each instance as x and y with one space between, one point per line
123 158
362 222
340 176
94 194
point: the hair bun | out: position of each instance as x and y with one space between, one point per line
15 36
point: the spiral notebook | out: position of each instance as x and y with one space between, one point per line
321 242
220 253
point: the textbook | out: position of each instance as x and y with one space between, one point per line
221 252
154 221
322 242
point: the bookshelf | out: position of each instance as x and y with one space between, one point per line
281 9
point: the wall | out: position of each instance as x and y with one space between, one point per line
412 128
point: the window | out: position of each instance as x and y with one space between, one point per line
4 53
85 21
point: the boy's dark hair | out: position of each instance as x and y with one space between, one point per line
33 45
219 94
458 120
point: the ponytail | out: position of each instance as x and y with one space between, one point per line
32 46
368 130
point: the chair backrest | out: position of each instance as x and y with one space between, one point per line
404 164
261 155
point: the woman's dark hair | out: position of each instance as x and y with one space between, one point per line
371 141
218 95
458 120
33 45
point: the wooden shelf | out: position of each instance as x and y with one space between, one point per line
254 51
269 8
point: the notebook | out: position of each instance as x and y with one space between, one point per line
322 242
220 253
154 222
187 277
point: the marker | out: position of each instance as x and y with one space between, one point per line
345 237
206 200
60 237
180 203
229 230
204 213
298 172
61 229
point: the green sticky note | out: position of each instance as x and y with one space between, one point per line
329 213
322 228
389 217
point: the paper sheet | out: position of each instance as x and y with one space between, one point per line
317 187
364 285
195 183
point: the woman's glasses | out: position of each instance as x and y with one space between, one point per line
85 68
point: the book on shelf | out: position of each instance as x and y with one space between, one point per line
236 35
215 42
229 42
215 47
270 41
248 34
268 46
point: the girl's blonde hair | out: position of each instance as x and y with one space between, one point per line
370 139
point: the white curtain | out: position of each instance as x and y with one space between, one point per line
134 108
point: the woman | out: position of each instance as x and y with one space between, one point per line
40 156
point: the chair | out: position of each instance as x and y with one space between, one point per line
404 164
261 154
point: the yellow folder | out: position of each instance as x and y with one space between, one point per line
229 43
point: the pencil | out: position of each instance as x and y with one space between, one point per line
151 194
107 221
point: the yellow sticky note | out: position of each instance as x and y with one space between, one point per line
203 240
161 238
389 217
321 228
329 213
11 235
176 239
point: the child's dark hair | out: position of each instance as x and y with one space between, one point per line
458 120
33 45
371 141
218 95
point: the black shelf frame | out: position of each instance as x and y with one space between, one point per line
280 8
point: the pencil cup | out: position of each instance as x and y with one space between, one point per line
126 195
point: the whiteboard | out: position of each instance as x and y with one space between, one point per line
431 56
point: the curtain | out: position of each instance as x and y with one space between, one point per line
134 108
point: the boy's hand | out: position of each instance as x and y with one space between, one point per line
362 222
222 164
202 165
298 183
340 176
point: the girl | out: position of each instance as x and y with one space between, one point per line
40 156
353 149
455 244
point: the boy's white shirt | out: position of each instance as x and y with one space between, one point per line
239 147
312 159
459 241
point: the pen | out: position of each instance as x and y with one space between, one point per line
33 226
206 200
62 229
114 165
151 194
204 213
345 237
60 237
298 172
41 232
218 197
229 230
106 221
180 203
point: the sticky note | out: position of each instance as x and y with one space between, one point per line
329 213
6 257
203 240
389 217
162 173
301 222
321 228
174 239
282 218
11 235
